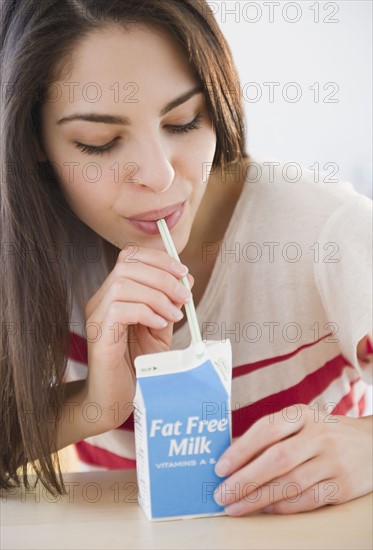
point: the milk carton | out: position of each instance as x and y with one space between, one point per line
182 426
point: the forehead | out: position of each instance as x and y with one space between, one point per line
142 63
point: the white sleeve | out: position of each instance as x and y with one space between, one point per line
344 275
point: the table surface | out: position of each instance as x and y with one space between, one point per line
101 511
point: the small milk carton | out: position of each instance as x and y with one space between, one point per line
182 426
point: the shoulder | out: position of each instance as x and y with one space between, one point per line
291 187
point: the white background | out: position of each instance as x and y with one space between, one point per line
306 52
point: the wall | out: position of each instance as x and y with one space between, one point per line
327 48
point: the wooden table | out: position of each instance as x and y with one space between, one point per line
101 511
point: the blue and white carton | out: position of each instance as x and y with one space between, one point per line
182 426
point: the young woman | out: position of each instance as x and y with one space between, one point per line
116 114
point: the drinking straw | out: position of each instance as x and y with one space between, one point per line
189 306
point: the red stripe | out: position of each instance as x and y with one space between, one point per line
303 392
101 457
250 367
346 403
128 424
78 348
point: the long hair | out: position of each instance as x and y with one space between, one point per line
38 39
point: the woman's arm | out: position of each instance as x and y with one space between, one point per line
77 420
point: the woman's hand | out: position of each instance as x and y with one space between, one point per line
142 293
295 460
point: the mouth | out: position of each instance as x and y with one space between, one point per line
171 215
154 215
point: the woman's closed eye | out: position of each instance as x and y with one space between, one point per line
174 129
184 128
95 149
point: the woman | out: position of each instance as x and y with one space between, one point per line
120 113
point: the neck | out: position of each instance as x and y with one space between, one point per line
215 211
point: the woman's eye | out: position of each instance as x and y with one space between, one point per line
175 129
95 149
183 129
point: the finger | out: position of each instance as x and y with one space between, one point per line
128 263
288 488
165 334
267 431
154 308
121 314
130 304
326 492
154 257
278 460
154 277
129 291
145 275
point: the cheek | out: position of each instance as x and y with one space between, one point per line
87 187
204 156
197 157
85 183
204 146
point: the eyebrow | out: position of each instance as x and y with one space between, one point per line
116 119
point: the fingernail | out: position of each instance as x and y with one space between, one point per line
182 269
218 497
184 292
222 467
160 321
234 508
268 509
176 313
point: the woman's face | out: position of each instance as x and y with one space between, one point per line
146 149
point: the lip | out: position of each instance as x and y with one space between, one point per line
151 227
154 215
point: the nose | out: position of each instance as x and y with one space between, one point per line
152 167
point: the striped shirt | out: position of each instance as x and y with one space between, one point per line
291 288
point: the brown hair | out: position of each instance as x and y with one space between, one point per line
37 40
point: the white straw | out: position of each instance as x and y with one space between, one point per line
189 306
